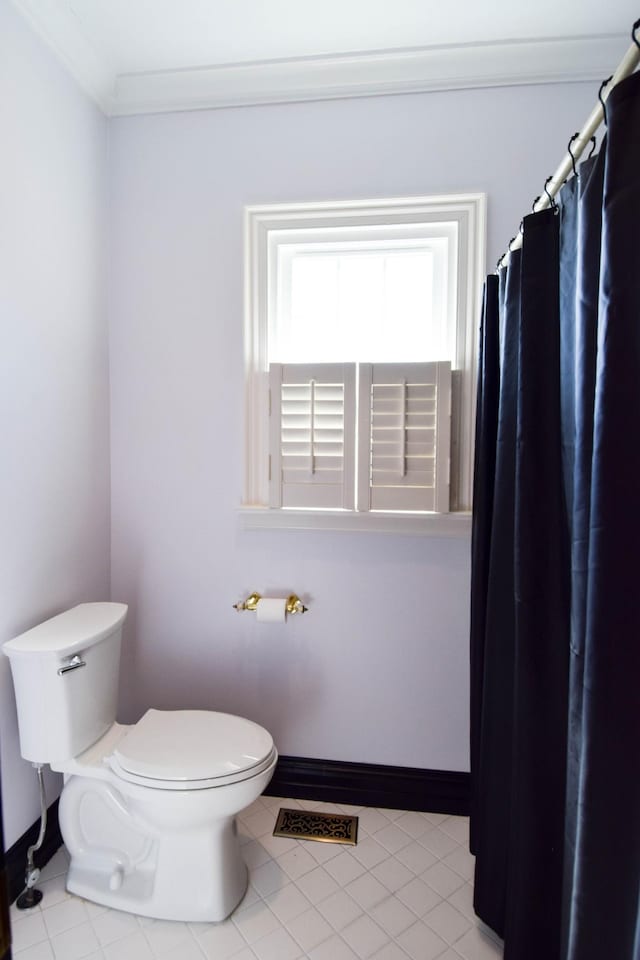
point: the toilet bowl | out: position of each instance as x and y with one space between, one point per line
147 811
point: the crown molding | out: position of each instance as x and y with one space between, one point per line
370 74
373 73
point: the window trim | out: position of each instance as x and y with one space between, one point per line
260 223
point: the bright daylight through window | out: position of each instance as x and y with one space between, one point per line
360 353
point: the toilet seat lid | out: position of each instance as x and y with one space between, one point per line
187 745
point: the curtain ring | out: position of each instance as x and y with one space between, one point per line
593 147
573 159
552 202
602 103
633 33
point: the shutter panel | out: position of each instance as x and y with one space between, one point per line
312 439
404 431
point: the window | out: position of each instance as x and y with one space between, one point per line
360 354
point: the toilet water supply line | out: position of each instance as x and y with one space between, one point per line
30 896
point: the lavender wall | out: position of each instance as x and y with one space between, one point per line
377 670
54 424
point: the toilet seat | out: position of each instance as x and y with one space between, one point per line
191 750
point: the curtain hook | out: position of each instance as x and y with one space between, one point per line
633 33
602 103
573 159
552 202
533 205
593 147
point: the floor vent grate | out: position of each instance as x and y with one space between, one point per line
313 825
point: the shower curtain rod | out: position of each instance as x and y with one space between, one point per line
626 67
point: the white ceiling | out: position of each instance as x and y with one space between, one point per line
147 55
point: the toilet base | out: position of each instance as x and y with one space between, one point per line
171 855
136 896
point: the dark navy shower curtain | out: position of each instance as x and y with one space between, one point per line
555 601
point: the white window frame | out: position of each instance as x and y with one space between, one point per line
263 225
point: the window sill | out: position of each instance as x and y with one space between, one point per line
447 525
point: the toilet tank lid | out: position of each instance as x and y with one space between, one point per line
67 632
192 745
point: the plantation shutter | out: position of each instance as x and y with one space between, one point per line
312 435
404 426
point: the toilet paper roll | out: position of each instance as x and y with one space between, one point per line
272 610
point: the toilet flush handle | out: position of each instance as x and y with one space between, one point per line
73 664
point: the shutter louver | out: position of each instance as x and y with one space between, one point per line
312 435
404 431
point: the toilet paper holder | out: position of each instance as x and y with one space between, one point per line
294 603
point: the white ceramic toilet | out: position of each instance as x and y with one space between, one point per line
147 812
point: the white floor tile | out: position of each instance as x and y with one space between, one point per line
372 820
365 937
40 951
297 862
447 922
75 943
344 868
340 909
333 949
221 941
256 922
28 931
310 929
462 900
392 838
391 951
474 945
393 916
413 823
443 880
254 854
54 890
57 866
114 925
421 943
462 862
438 842
322 852
369 852
416 858
134 947
269 877
163 934
287 903
404 892
418 896
16 915
187 950
65 915
392 874
458 828
278 945
246 954
367 891
317 885
259 823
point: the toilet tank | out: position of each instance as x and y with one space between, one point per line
65 675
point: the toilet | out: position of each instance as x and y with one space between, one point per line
148 811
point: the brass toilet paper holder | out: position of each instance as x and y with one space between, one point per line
293 605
